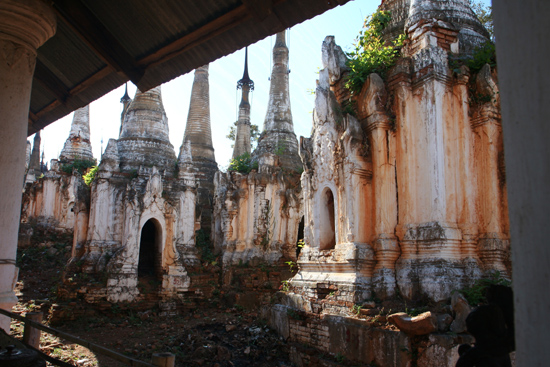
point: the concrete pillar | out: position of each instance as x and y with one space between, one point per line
382 141
521 30
24 26
385 195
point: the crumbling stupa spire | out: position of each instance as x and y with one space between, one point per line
125 100
198 140
242 137
144 136
35 155
77 145
278 137
198 130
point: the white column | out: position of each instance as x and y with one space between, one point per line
522 30
24 26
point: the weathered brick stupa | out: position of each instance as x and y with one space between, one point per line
242 137
198 137
277 145
144 139
409 195
57 197
34 169
406 198
257 210
142 217
78 146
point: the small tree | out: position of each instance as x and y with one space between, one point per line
485 15
242 163
89 177
372 54
254 134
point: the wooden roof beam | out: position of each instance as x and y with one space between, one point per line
261 9
90 29
210 30
50 81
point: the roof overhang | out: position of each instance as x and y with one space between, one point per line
101 44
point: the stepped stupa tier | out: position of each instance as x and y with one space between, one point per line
456 13
242 137
278 144
399 10
197 141
78 144
197 130
144 133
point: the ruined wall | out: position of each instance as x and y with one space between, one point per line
257 216
54 199
337 187
408 195
120 207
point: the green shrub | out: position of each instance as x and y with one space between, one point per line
90 176
372 54
476 293
81 165
483 54
242 163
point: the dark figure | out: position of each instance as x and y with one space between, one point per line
492 327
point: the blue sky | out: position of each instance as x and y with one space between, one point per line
304 41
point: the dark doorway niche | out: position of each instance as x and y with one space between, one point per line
149 245
327 225
300 237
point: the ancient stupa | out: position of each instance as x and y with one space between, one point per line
77 145
242 136
198 140
278 145
144 139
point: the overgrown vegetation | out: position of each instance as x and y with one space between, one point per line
485 53
242 164
476 294
485 15
269 225
280 149
89 177
202 241
80 165
372 54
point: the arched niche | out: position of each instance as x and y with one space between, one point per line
327 224
150 250
300 237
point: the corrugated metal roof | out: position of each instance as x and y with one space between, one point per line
101 44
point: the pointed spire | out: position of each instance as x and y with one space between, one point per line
35 155
242 137
245 81
198 137
110 159
278 136
77 145
197 129
125 100
144 132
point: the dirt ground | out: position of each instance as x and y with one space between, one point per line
211 336
208 335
